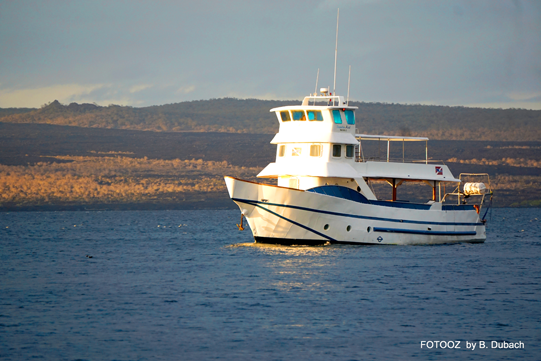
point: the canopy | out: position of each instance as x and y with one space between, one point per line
390 138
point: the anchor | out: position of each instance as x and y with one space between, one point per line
241 225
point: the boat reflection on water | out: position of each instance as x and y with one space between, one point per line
297 268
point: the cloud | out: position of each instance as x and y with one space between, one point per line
35 97
138 88
507 105
186 89
524 95
262 96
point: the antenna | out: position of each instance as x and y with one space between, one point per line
336 53
315 90
349 78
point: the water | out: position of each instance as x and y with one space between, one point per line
187 285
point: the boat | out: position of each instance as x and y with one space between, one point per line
323 193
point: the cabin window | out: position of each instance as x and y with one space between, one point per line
282 151
350 117
315 150
336 150
314 115
285 116
350 150
336 116
296 152
298 115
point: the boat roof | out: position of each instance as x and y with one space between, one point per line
391 138
330 102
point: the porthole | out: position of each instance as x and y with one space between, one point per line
348 228
326 227
368 229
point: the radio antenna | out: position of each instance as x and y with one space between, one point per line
315 90
349 78
336 53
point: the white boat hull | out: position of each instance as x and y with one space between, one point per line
290 216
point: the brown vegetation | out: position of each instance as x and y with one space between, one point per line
515 183
81 180
112 179
513 162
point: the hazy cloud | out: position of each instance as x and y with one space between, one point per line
33 98
185 89
138 88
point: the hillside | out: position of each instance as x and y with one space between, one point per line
230 115
9 111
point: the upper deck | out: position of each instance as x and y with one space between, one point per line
318 139
319 119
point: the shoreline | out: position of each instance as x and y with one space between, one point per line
184 205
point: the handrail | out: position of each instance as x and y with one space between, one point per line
393 138
398 160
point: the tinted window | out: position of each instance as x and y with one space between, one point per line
350 117
336 150
296 152
315 115
285 116
298 115
349 151
336 116
282 151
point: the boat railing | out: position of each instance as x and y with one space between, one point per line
360 159
483 194
391 139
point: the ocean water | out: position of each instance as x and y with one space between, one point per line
187 285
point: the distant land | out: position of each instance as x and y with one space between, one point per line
55 167
229 115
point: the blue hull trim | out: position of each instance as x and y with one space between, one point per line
429 233
305 242
257 204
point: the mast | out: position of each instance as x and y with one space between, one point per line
349 78
336 54
315 90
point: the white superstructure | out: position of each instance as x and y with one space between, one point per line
323 194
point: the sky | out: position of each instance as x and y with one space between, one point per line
483 53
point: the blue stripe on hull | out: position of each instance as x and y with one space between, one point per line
427 232
256 203
306 242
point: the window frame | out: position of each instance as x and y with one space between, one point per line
282 150
350 119
296 151
293 112
334 113
319 148
318 116
352 147
334 146
281 112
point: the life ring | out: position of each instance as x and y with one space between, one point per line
476 208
